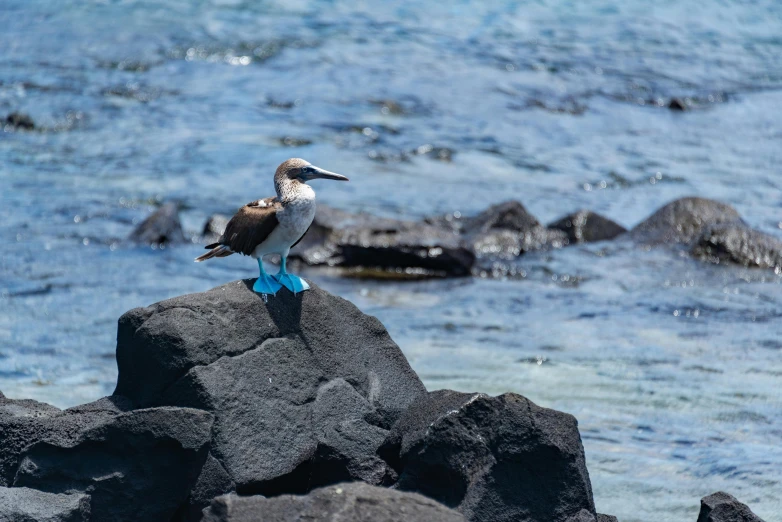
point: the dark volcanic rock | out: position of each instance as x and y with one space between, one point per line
585 227
161 227
30 505
682 221
494 458
18 120
586 516
382 246
736 243
303 388
677 104
152 454
351 502
722 507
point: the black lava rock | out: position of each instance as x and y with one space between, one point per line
18 120
586 227
303 388
493 458
351 502
683 221
162 227
738 244
30 505
114 455
722 507
677 104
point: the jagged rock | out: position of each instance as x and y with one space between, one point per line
162 227
606 518
493 458
18 120
682 221
303 388
352 502
585 227
736 243
213 481
113 454
30 505
722 507
586 516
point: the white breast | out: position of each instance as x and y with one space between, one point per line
294 220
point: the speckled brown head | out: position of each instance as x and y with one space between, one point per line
301 170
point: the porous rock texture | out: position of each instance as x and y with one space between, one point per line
723 507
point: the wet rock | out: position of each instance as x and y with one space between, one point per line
677 104
308 382
162 227
738 244
493 458
151 454
682 221
722 507
30 505
383 247
351 502
18 120
585 227
214 227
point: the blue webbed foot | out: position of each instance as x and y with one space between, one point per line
293 283
265 284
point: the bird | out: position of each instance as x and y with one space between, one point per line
274 225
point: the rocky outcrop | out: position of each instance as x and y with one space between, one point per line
738 244
586 227
351 502
30 505
161 227
492 458
683 221
722 507
303 388
106 450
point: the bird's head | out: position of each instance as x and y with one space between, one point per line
301 170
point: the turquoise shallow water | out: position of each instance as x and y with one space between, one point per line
672 367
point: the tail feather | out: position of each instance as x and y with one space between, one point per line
218 250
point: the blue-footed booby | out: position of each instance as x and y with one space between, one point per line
274 225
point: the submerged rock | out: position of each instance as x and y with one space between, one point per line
162 227
722 507
682 221
351 502
493 458
18 120
303 388
104 450
30 505
585 226
736 243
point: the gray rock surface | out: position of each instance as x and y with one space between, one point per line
102 449
161 227
493 458
30 505
303 388
682 221
349 502
738 244
585 226
722 507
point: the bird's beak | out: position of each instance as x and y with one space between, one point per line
314 172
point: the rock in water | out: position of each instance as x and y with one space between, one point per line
152 456
585 227
722 507
30 505
352 502
162 227
18 120
682 221
304 388
495 459
738 244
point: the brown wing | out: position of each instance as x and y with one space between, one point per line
251 225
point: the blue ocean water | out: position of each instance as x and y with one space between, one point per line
672 367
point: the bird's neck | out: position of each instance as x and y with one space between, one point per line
291 190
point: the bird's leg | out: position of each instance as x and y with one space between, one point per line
265 284
293 283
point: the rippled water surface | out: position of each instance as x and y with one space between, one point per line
671 366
